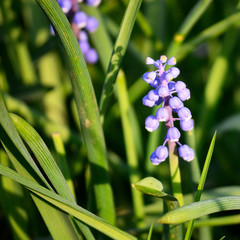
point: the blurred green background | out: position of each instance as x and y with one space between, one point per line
36 86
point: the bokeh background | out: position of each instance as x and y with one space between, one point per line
35 85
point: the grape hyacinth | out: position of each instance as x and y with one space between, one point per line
164 87
82 24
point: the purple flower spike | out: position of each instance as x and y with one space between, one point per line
186 153
164 88
153 95
91 56
184 95
186 125
184 113
93 3
92 24
162 114
180 86
80 19
162 153
163 92
148 102
151 123
173 134
175 103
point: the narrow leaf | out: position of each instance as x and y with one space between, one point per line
200 209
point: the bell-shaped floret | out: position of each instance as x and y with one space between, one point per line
186 153
173 134
163 92
174 72
84 46
162 153
175 103
92 24
80 19
151 123
91 56
65 5
162 114
171 86
148 102
184 113
149 61
153 95
180 86
184 95
186 125
172 61
93 3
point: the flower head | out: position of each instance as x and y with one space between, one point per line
164 88
81 24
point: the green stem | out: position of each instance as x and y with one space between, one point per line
118 53
130 146
173 163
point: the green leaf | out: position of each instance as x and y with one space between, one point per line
67 206
58 222
150 186
118 53
87 108
202 183
200 209
43 155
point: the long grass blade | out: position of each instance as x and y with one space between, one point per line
87 108
200 209
65 205
201 183
118 53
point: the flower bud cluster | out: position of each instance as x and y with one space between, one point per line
82 24
164 87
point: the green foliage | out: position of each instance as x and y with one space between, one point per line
74 154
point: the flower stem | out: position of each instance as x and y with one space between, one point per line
173 161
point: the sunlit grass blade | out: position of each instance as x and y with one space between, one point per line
201 183
36 118
43 155
130 145
7 125
45 159
118 53
59 224
65 205
62 161
194 15
211 32
13 204
200 209
87 108
219 221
